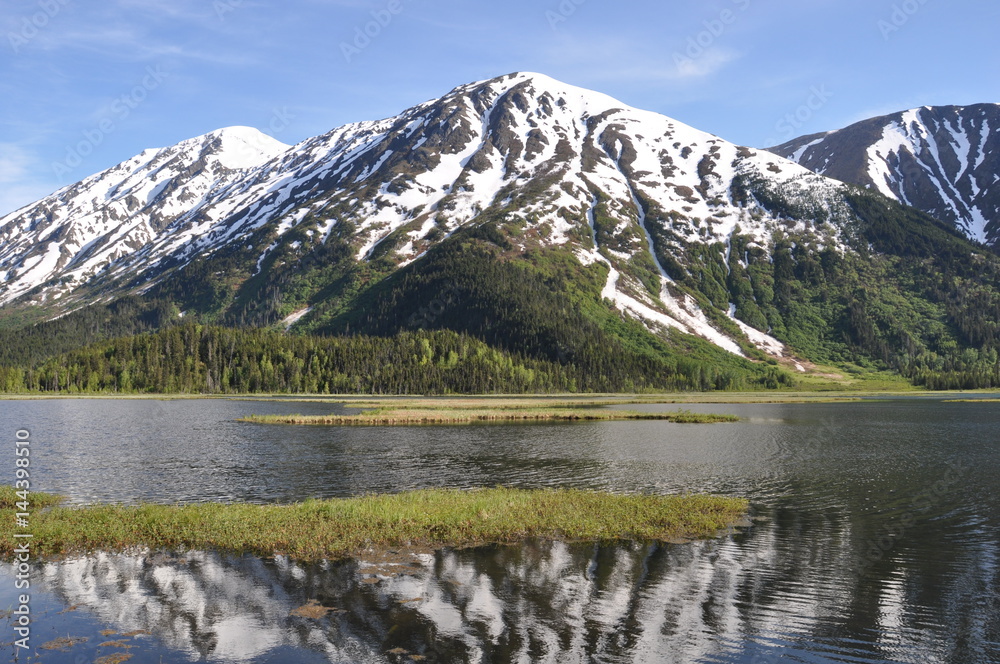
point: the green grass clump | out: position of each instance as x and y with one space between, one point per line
459 411
340 528
402 418
971 401
9 500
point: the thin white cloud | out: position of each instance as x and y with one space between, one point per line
616 59
15 197
211 14
19 182
13 163
706 64
127 43
146 30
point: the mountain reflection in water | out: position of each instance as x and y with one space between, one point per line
876 539
742 598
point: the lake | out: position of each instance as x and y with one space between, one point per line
875 538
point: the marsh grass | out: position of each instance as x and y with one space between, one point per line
468 412
971 401
591 401
341 528
37 501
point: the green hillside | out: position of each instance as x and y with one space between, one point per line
481 313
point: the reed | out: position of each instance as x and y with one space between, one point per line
341 528
389 416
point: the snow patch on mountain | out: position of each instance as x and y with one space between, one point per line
942 160
84 228
523 148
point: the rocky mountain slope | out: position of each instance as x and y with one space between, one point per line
944 160
523 147
538 216
155 198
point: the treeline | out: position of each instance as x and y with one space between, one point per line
478 314
960 369
916 298
29 345
196 359
546 305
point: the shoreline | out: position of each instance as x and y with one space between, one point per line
343 528
605 398
387 415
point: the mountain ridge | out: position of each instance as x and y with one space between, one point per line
467 177
600 226
80 227
943 160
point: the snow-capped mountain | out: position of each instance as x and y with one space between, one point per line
155 198
944 160
556 165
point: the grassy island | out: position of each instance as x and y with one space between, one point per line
468 411
341 528
971 401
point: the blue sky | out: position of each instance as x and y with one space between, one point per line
88 84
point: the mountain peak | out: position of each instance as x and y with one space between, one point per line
943 160
557 166
540 85
236 147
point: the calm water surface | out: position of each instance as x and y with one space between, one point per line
876 538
